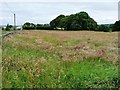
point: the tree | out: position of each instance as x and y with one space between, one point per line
28 26
78 21
39 26
63 23
8 27
43 27
92 24
56 22
104 28
73 23
116 26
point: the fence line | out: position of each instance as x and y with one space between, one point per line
9 33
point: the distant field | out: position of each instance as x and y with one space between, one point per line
60 59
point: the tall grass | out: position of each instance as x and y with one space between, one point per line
29 65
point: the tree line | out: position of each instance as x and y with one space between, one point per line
78 21
29 26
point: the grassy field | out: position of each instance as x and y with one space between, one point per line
60 59
4 31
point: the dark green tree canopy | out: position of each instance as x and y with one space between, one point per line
103 28
28 25
78 21
8 27
116 26
55 23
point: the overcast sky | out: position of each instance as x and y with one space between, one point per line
44 11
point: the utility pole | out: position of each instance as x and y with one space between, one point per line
14 22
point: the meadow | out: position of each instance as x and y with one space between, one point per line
60 59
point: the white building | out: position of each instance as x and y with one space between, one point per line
60 28
18 27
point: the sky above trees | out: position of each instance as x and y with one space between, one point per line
60 0
47 10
